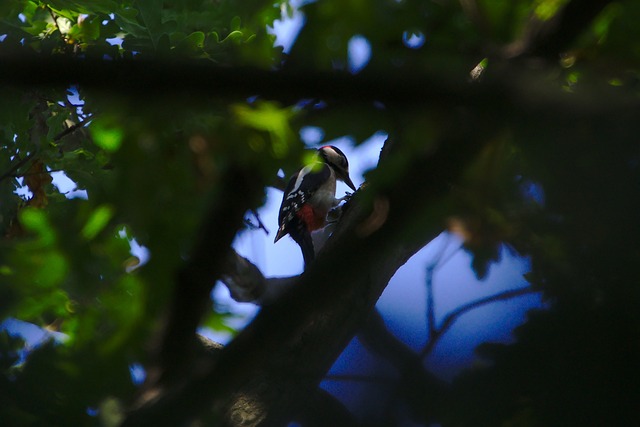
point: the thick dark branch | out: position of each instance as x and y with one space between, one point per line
246 283
202 80
163 77
195 280
377 338
294 341
416 385
322 410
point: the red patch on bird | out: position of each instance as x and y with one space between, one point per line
309 217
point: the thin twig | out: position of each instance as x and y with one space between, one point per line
55 22
18 165
431 268
72 128
260 223
450 318
44 172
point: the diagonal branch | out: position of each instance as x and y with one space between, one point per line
72 128
196 278
292 343
548 38
246 283
11 172
454 315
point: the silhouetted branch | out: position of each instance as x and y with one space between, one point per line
17 165
549 37
322 409
451 317
260 225
434 264
72 128
195 280
417 387
246 283
504 91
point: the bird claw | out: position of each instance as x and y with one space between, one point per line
347 196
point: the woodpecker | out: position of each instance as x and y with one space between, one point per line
309 196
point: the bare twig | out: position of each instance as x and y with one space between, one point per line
72 128
435 264
260 225
279 183
454 315
11 172
63 37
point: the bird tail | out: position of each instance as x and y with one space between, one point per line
303 239
281 233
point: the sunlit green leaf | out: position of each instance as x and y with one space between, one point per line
36 221
269 117
106 136
547 9
99 219
50 268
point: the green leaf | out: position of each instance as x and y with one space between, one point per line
235 23
35 220
151 14
97 221
106 135
547 9
269 117
50 268
191 43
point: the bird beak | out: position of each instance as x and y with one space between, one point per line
348 181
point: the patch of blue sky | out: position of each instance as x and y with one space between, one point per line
33 336
359 53
243 313
67 186
22 190
287 28
73 96
413 39
311 135
138 373
115 41
139 251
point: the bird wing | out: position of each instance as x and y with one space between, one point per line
299 190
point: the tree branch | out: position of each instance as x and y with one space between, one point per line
11 172
196 279
454 315
548 38
246 283
294 341
503 92
72 128
322 410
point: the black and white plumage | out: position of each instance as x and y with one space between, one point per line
309 196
